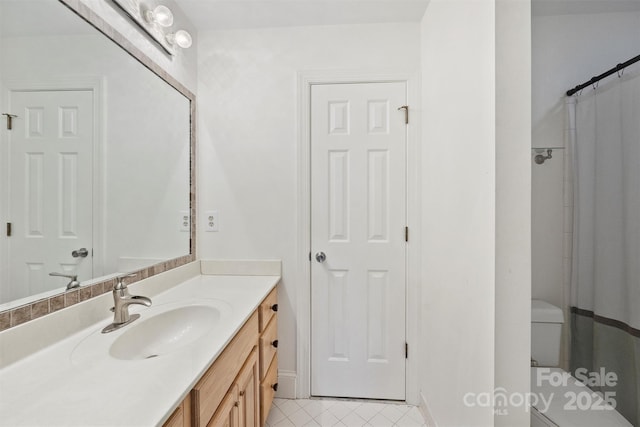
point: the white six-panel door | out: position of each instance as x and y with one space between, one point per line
358 210
50 188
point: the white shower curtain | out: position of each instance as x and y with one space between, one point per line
605 276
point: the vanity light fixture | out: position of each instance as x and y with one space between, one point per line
161 15
156 23
180 38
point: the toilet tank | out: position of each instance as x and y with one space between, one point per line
546 332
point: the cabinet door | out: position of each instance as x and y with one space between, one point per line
248 391
181 417
227 413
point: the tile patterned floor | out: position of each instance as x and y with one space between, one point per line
342 413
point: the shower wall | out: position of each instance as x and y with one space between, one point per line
547 225
567 49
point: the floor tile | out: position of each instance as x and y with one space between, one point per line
367 410
354 420
342 413
284 423
415 414
380 420
352 404
275 415
314 408
300 417
289 407
277 401
326 419
340 410
394 412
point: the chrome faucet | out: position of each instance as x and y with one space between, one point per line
74 279
121 302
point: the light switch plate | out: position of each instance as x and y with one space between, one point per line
211 221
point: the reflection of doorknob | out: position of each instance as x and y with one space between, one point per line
82 253
321 257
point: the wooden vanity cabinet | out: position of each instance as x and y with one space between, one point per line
248 382
212 388
227 414
268 353
236 391
181 417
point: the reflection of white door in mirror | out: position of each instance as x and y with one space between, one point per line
50 189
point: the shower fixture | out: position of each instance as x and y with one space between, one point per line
540 158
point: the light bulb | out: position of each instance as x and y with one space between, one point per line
180 38
161 15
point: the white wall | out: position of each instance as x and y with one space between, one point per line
566 50
458 209
513 207
476 217
247 136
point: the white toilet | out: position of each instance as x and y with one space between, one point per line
559 399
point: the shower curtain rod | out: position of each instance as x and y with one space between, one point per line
596 79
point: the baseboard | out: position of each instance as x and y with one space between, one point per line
286 384
426 414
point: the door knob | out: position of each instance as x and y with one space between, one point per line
321 257
80 253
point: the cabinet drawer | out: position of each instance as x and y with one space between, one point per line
211 389
268 389
268 308
268 346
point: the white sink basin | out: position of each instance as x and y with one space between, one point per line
164 332
161 330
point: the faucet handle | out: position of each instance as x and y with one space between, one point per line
68 276
120 284
74 279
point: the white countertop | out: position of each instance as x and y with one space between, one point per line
75 382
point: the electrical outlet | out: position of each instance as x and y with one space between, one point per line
185 221
211 221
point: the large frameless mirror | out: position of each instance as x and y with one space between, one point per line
96 166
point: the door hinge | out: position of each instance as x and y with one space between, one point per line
406 350
406 234
309 256
8 229
406 113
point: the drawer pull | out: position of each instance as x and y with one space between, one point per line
275 387
274 307
275 344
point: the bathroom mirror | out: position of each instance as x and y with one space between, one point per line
97 172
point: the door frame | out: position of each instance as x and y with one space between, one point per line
306 79
95 84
